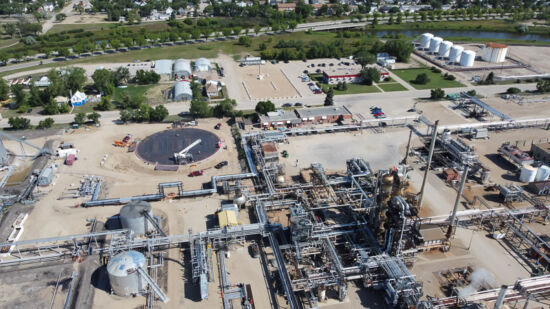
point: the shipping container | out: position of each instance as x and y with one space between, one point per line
62 153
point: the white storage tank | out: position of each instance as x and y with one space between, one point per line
467 58
494 52
123 275
454 55
132 217
434 44
528 173
543 173
445 49
425 40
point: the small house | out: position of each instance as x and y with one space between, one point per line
48 7
212 89
78 99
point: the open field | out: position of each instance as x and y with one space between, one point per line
436 79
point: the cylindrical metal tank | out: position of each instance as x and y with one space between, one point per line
239 199
280 179
543 173
494 52
446 135
528 173
445 49
123 276
434 44
467 58
454 55
425 40
131 217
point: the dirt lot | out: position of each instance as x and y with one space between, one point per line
332 150
532 106
52 217
273 85
538 57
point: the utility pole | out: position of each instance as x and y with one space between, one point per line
450 230
430 154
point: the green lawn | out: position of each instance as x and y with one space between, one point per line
131 90
436 79
86 108
388 87
352 88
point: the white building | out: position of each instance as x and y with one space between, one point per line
182 68
79 98
202 65
182 91
48 7
163 67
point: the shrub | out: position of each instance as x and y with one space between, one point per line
513 90
437 94
422 79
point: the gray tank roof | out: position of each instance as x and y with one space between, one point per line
124 263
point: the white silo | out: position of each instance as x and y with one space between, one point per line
434 44
132 217
445 49
528 173
467 58
494 52
454 55
425 40
123 275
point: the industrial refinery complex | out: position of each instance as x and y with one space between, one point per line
235 169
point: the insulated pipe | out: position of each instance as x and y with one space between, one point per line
430 154
501 296
450 230
408 147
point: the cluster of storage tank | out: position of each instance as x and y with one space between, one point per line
447 50
530 173
122 268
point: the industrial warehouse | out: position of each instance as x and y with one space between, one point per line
193 216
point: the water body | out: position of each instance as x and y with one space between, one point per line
467 33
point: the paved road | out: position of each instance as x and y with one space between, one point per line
359 103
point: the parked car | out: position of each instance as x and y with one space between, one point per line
127 138
318 70
287 105
221 164
196 173
218 126
298 104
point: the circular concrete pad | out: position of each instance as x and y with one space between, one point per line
160 147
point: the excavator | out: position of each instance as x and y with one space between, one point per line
184 156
